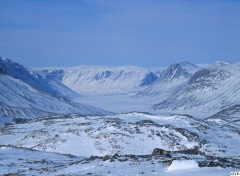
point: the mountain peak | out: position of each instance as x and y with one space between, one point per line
220 63
177 70
187 64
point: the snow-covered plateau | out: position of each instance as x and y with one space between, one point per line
179 120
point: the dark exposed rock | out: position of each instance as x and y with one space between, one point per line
105 158
193 151
19 120
149 79
10 174
166 158
160 152
175 71
115 156
92 158
147 123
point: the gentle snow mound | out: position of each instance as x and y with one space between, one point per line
183 165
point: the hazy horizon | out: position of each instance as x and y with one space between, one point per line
117 66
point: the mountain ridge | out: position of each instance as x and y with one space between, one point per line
29 95
181 87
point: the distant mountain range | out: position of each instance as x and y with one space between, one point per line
208 89
182 87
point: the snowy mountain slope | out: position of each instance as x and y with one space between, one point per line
170 81
131 87
208 90
35 80
29 95
102 80
230 115
182 87
21 112
17 94
178 71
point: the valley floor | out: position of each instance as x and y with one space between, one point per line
123 103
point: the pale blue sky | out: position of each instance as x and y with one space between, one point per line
148 33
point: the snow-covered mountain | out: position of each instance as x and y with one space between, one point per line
34 80
182 87
178 71
100 79
117 80
29 95
229 116
208 90
171 79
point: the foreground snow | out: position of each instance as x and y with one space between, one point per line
22 161
130 133
183 165
125 140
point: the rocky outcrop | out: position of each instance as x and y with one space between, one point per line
193 151
106 157
160 152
